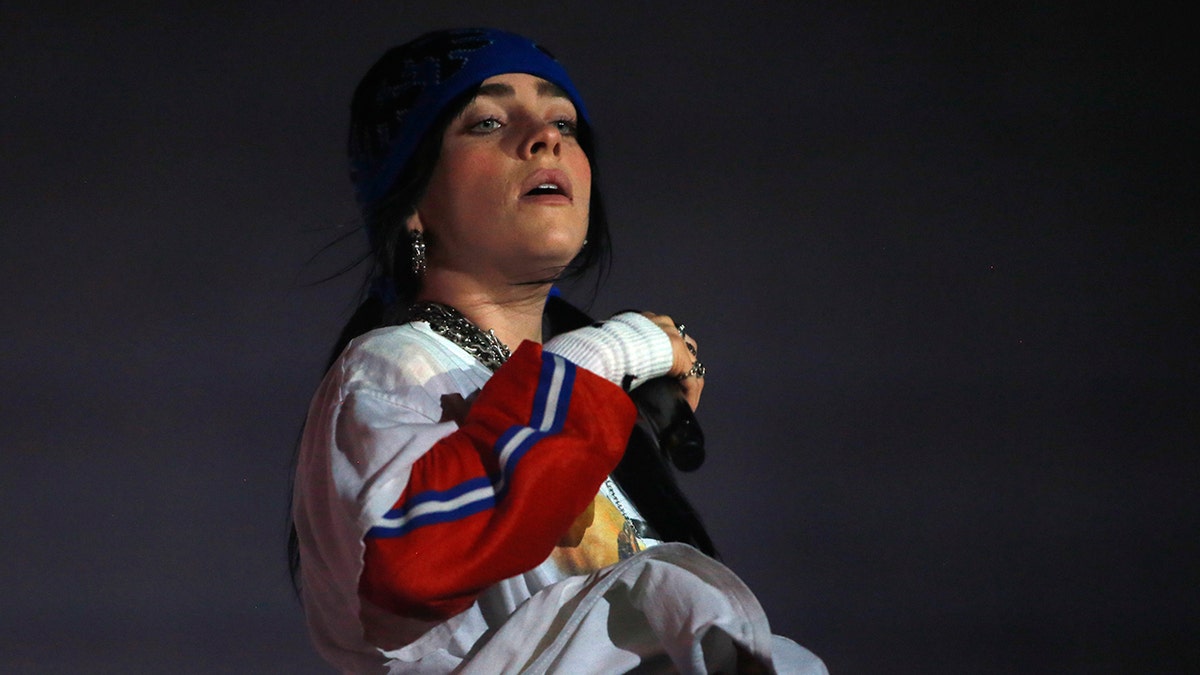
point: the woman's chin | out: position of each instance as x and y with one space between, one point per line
544 268
556 250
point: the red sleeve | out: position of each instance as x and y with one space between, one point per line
490 500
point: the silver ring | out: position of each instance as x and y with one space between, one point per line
697 370
683 334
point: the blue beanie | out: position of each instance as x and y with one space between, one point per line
410 86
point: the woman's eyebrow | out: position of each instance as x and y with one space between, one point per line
501 90
495 89
545 88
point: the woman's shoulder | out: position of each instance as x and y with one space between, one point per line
408 354
390 341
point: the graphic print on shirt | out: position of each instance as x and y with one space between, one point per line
608 531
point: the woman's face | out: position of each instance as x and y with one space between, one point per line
508 199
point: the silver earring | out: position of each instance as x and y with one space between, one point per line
418 252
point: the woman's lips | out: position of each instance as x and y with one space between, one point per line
547 185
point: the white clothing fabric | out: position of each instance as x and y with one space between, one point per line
382 406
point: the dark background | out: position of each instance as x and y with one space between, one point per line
942 262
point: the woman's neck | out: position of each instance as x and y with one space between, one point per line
514 312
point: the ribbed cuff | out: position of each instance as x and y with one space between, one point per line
626 346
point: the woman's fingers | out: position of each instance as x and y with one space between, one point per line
686 364
692 386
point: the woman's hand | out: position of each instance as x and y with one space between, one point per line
686 350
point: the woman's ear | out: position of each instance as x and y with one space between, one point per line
413 223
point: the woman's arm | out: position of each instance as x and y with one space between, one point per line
490 500
635 348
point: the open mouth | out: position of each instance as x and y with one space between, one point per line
552 184
546 189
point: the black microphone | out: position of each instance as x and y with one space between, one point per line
662 406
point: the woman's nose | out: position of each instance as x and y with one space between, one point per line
542 137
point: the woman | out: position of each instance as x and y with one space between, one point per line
453 505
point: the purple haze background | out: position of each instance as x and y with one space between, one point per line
942 262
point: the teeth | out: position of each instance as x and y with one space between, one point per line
548 186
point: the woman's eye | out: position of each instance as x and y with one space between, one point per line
566 127
486 126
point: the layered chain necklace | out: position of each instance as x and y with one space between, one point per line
452 325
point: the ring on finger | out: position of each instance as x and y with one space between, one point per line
696 371
683 334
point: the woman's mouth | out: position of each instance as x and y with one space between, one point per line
546 189
548 185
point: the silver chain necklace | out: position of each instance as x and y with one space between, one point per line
452 325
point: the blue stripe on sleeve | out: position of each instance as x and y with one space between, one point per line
432 518
436 506
437 496
551 402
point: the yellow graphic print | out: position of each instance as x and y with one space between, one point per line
599 537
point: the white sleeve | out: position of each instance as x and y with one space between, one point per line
626 347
